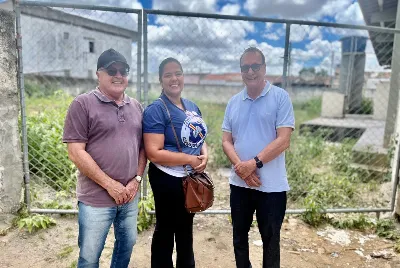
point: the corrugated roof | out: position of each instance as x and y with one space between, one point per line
381 13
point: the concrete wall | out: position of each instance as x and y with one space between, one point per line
222 93
203 92
11 175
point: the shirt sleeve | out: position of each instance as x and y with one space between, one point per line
226 124
154 120
76 125
285 115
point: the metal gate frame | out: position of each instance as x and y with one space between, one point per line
143 42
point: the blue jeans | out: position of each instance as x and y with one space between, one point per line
94 225
270 211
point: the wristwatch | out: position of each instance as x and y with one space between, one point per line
138 178
259 164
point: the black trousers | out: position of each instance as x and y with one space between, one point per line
172 221
270 212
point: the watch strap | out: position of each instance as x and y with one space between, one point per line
259 164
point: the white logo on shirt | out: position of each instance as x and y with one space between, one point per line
194 130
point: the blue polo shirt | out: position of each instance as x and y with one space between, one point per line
189 126
253 124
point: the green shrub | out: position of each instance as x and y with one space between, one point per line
35 222
145 219
34 89
386 228
48 156
367 106
314 214
361 223
213 115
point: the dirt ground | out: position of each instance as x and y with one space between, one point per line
301 245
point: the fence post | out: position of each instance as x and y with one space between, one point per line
146 86
286 56
139 60
394 86
10 150
395 204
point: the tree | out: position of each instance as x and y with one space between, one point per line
307 70
322 73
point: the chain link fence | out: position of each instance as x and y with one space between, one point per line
60 51
339 83
339 80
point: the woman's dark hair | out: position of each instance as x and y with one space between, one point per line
165 62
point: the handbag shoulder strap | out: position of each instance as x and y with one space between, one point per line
172 125
173 130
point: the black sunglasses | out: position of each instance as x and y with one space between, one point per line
113 71
255 67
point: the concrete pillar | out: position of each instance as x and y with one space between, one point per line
352 71
332 104
394 85
381 99
11 173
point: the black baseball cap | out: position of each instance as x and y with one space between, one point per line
110 56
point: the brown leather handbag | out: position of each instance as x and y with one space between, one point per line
197 186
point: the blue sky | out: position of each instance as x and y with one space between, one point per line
209 45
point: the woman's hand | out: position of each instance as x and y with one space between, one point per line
202 166
194 161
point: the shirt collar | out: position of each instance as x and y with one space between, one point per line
266 89
104 98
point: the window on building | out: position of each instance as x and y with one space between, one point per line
91 46
66 35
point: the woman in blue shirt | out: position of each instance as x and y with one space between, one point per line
166 168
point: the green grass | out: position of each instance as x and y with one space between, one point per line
65 252
319 173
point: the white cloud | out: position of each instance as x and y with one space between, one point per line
320 47
123 20
285 9
230 9
201 44
206 6
113 3
371 62
271 36
316 50
207 45
204 45
315 33
269 25
344 11
273 58
333 7
351 15
298 33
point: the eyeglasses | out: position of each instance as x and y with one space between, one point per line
113 71
255 67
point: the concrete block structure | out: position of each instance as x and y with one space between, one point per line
332 104
11 174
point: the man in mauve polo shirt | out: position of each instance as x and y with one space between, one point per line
103 132
257 127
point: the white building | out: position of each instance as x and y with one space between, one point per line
58 44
